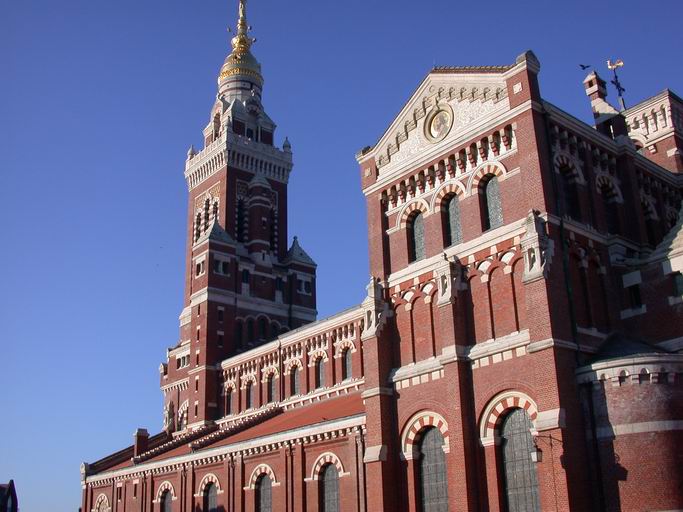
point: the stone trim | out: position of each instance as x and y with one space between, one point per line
636 428
165 486
209 478
102 498
498 405
323 460
413 428
261 469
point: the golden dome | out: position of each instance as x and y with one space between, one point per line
241 62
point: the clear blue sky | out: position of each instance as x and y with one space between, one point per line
99 101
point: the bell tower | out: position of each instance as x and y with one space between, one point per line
243 285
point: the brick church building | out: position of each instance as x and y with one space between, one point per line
520 347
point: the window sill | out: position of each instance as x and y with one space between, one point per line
628 313
676 299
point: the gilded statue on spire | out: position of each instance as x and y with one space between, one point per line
241 43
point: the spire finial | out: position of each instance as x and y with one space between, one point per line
242 42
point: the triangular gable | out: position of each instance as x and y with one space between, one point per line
470 95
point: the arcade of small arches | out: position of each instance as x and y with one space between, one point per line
293 369
446 201
249 331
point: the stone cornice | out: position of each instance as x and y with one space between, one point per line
304 435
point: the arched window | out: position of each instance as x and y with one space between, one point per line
228 402
239 231
248 397
250 331
264 494
273 231
319 373
519 471
611 208
346 364
210 498
569 194
451 221
270 390
262 328
492 210
294 381
329 488
274 330
239 335
416 237
206 214
166 502
433 481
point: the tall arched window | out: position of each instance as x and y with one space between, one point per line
239 231
228 402
346 364
319 373
294 381
248 396
210 498
492 209
451 221
264 494
519 471
270 390
569 194
166 502
250 331
262 328
416 237
611 209
432 473
329 488
239 335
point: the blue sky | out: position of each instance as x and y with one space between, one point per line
99 102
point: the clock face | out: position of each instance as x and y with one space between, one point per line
440 124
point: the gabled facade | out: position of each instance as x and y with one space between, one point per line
519 347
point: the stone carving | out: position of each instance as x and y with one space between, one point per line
537 248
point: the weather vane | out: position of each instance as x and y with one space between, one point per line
613 66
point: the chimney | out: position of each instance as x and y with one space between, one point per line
608 120
141 443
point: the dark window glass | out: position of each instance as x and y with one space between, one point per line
274 331
329 488
271 389
453 229
216 267
279 284
273 231
225 269
634 296
262 328
678 284
210 498
294 381
245 276
416 238
221 313
250 133
519 471
239 335
493 210
267 137
569 195
307 286
166 498
346 364
319 373
611 211
264 494
238 127
432 472
248 396
239 230
250 331
228 402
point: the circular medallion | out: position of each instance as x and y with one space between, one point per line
439 123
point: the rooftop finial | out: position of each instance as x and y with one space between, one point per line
242 42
